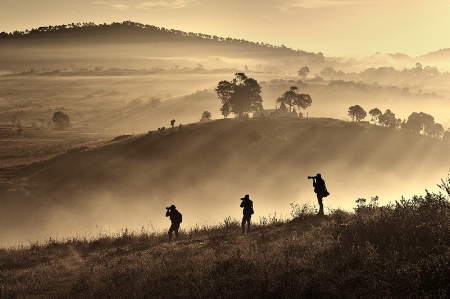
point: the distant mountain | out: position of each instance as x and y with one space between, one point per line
441 54
134 44
131 31
130 44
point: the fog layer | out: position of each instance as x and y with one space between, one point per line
205 169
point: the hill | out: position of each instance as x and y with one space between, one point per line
204 169
134 45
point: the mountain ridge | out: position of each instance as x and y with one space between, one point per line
126 27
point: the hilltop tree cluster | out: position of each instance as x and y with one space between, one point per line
417 122
242 95
239 96
292 97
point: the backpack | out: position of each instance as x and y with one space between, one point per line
178 217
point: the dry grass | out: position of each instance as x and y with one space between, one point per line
398 250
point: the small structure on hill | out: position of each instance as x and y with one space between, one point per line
281 112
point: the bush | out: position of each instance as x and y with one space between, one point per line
61 120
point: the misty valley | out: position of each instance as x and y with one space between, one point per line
104 126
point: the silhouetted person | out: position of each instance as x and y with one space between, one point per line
172 123
320 189
176 218
247 204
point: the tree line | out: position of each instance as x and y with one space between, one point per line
417 122
242 95
380 73
90 27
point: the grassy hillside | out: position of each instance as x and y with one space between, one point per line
394 251
204 169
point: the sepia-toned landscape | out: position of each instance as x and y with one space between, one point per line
104 126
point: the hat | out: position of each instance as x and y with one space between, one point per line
172 207
246 196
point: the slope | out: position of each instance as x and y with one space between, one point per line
205 168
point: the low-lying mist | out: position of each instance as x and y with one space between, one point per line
204 169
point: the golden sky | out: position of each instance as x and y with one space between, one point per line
334 27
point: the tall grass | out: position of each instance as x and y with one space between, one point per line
401 250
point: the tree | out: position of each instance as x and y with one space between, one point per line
239 96
288 97
446 135
437 131
375 113
357 113
420 123
206 115
328 71
303 72
293 98
388 119
303 101
61 120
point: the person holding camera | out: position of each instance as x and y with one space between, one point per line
176 218
247 204
320 189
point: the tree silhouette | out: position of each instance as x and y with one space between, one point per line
303 72
357 113
303 101
239 96
421 123
446 135
61 120
436 131
388 119
328 71
375 113
293 98
206 115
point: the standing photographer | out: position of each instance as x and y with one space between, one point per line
247 204
320 189
176 218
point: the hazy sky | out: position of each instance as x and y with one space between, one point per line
334 27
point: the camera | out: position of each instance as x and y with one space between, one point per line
311 177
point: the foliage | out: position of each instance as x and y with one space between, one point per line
328 71
206 115
388 119
292 97
375 113
357 113
423 123
419 122
61 120
303 72
239 96
445 185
